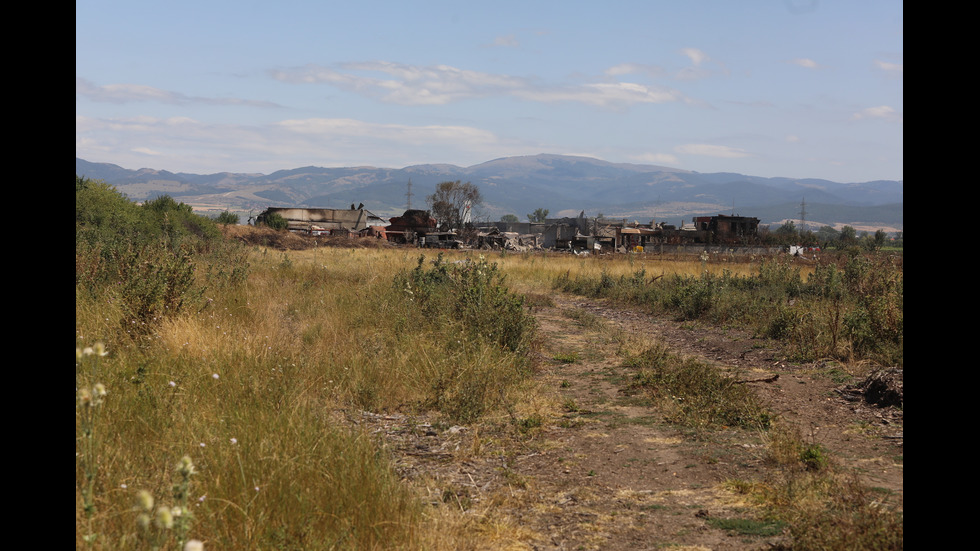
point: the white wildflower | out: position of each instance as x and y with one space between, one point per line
164 518
144 500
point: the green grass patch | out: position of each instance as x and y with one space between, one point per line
748 527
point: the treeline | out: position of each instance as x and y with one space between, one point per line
828 237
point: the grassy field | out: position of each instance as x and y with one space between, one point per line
214 389
250 382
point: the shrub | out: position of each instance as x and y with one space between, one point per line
485 330
227 217
144 258
276 221
473 295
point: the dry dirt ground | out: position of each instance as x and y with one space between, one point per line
606 472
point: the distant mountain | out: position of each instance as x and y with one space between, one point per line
565 185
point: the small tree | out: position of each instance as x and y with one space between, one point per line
880 238
827 235
452 201
539 215
227 217
510 218
848 237
276 221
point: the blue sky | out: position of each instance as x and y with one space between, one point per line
792 88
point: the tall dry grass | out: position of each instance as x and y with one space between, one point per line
251 386
251 381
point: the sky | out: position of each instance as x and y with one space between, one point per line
772 88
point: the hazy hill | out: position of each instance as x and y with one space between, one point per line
518 185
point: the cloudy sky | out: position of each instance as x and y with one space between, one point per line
794 88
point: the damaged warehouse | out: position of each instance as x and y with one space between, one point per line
319 221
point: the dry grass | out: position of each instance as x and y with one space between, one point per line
252 383
249 387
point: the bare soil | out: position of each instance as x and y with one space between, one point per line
606 472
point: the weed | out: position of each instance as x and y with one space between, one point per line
583 318
566 357
89 397
824 508
526 424
813 457
748 527
693 393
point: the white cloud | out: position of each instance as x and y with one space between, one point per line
634 69
696 56
708 150
881 112
805 63
129 93
183 144
698 69
443 84
408 135
408 85
656 158
506 41
604 94
890 67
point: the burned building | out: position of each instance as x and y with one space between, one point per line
320 221
418 227
726 229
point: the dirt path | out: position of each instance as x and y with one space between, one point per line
608 473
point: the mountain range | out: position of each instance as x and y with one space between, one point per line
565 185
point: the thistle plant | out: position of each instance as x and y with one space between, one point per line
88 402
158 524
182 489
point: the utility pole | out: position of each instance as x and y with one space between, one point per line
803 215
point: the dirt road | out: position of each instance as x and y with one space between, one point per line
605 472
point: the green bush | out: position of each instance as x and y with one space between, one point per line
145 258
484 333
473 295
227 217
276 222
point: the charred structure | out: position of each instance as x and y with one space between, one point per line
419 228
